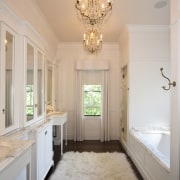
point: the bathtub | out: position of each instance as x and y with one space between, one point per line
150 150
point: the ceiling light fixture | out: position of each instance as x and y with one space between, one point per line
92 40
93 12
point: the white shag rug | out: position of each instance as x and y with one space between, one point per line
93 166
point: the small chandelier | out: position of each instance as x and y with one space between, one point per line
93 12
92 40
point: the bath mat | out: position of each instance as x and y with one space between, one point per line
93 166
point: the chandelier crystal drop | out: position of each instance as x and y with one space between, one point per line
92 40
93 12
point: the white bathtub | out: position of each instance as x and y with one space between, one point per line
151 151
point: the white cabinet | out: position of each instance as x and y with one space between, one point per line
15 159
8 58
43 151
34 87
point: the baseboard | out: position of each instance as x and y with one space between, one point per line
123 144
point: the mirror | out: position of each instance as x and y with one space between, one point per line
9 62
40 84
30 83
49 84
49 87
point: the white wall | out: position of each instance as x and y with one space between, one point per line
149 50
175 92
67 56
28 11
124 46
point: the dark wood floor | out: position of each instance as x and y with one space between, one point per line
95 146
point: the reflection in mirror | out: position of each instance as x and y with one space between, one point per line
9 55
30 83
49 85
40 84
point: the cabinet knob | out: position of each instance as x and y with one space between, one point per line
3 110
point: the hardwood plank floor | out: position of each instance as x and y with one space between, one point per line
95 146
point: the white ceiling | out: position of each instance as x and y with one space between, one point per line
61 15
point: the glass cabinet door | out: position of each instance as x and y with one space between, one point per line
9 63
49 84
50 73
30 83
34 83
7 75
40 85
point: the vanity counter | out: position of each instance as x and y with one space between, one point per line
59 119
56 114
15 155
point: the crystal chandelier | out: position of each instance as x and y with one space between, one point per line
93 12
92 40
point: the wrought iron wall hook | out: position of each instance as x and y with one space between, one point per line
169 82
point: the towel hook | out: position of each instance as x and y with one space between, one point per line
169 82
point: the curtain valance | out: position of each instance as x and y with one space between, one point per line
92 65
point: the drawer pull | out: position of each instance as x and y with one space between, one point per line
45 132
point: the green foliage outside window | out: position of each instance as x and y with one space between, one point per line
92 100
29 100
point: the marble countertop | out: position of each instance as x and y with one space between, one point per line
53 114
13 145
56 113
11 149
57 117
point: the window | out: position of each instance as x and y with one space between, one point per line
29 100
92 100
